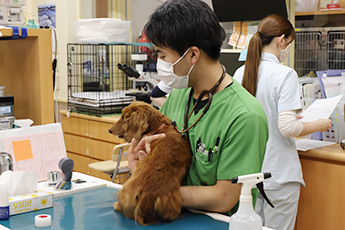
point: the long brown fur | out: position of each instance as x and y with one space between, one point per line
152 194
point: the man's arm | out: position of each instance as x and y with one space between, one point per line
221 197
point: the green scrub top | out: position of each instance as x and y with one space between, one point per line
239 123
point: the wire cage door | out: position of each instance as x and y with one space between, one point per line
309 55
336 50
95 85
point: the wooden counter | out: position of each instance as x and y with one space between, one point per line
322 201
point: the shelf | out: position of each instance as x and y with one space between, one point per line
26 72
230 50
7 32
328 12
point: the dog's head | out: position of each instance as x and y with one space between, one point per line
137 120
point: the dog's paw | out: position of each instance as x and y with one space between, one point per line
116 206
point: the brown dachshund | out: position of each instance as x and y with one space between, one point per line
152 194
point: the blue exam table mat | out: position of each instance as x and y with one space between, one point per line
94 210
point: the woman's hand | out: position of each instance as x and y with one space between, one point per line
324 124
140 151
299 116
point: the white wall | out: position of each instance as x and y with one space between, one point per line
88 9
67 11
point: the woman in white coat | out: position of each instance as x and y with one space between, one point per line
277 89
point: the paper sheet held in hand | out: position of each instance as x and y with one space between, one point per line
321 108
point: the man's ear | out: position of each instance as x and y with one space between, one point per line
195 54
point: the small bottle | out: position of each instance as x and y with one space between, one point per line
32 25
4 202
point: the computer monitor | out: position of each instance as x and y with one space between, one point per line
248 10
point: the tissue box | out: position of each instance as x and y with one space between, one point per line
30 202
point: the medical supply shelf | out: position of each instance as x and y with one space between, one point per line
322 201
26 72
87 140
326 12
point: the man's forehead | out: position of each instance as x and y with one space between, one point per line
164 49
159 49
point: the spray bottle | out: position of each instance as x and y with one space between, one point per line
245 217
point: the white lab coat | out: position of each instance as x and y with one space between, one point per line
278 91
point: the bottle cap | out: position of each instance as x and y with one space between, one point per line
43 220
4 196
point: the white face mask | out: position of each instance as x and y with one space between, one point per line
166 73
284 53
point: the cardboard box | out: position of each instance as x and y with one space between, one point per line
30 202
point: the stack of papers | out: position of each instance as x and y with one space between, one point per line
307 144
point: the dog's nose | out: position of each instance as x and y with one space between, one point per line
110 131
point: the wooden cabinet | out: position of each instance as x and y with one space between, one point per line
87 140
26 72
322 202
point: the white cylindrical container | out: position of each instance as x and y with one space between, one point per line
4 202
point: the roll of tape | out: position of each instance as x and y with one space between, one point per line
43 220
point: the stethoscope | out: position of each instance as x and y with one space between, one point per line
202 94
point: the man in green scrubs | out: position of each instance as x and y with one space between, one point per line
226 126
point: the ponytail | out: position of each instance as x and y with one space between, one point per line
270 27
250 76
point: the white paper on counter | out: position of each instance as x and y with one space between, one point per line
307 144
321 108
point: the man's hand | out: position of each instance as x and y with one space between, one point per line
140 151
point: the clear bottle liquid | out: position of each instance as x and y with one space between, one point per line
4 202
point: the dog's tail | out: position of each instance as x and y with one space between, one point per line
145 211
152 209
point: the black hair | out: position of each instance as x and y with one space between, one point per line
180 24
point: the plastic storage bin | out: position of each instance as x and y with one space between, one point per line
102 30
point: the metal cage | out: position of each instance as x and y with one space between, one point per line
319 49
336 50
95 85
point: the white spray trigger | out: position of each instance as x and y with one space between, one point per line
249 181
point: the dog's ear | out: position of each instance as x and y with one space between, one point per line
135 124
